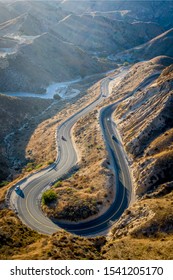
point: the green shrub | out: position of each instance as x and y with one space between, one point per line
29 169
4 183
38 166
58 184
126 63
48 197
56 96
30 166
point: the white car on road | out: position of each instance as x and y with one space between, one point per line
17 188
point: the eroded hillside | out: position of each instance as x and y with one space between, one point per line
145 124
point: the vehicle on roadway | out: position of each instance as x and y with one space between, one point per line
17 188
113 137
63 138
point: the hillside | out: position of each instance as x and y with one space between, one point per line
160 45
33 55
46 42
145 229
16 117
32 68
145 124
118 35
42 43
145 121
130 11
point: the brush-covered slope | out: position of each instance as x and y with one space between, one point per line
19 242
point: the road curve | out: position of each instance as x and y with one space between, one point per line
27 202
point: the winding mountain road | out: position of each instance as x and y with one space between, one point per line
27 204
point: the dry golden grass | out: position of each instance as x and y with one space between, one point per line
14 236
19 242
129 248
145 231
162 143
62 246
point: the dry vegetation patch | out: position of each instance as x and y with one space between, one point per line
19 242
129 248
14 236
145 230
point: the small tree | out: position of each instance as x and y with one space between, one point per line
48 197
56 96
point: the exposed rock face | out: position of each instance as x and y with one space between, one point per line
145 120
146 126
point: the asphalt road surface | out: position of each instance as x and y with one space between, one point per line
27 201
